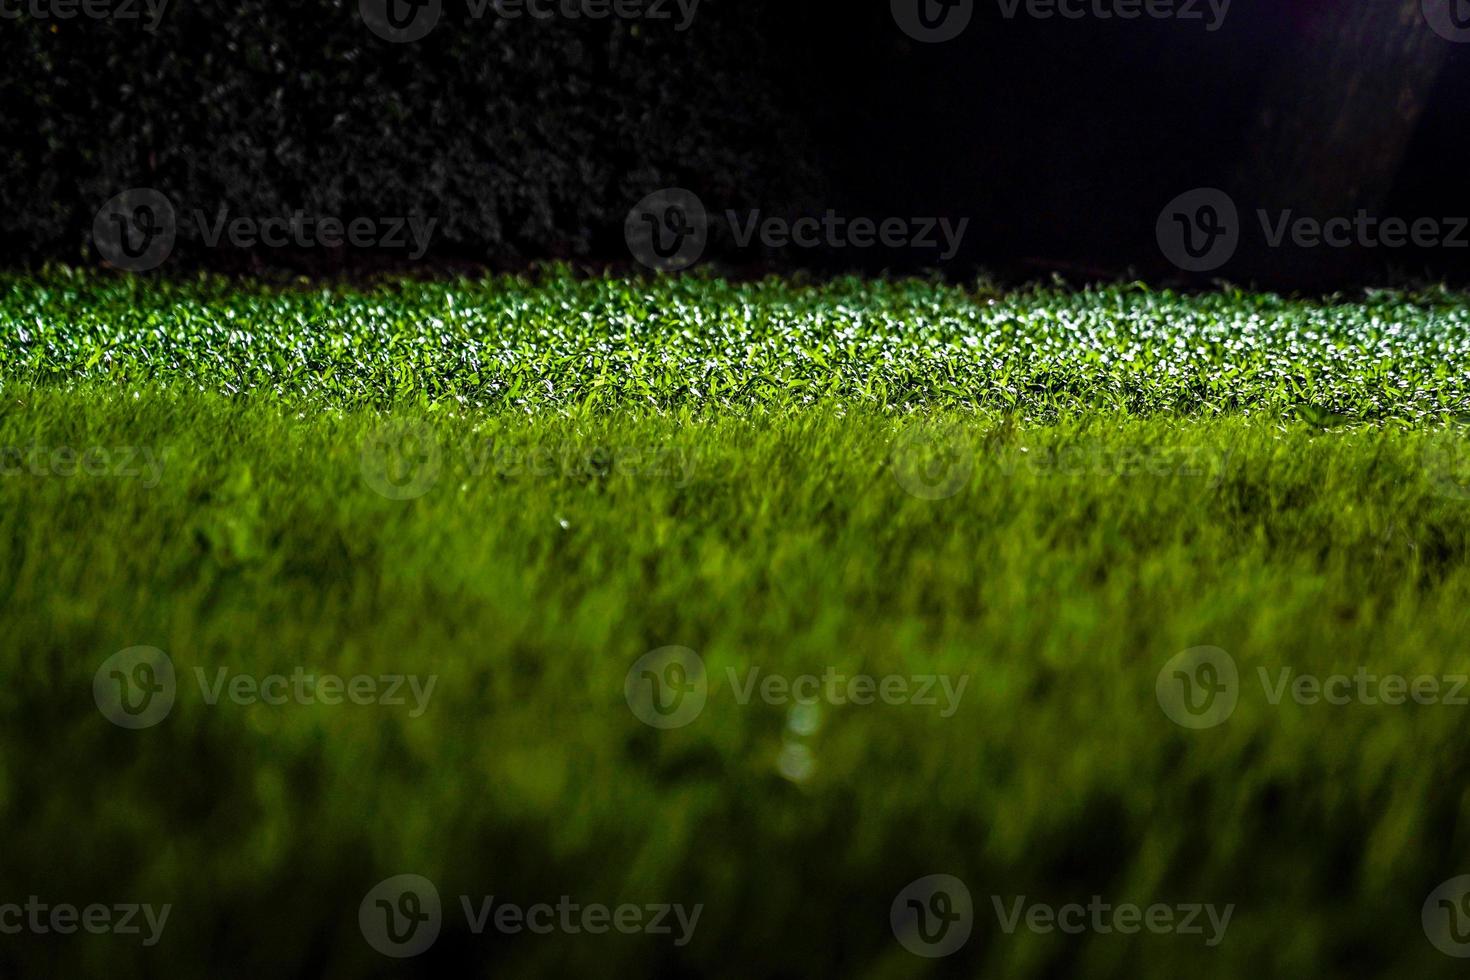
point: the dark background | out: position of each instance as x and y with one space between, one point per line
1061 140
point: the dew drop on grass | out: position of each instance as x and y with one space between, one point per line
796 762
804 719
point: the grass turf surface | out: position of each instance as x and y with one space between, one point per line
1047 494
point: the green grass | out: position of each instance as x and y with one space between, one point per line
555 342
1046 494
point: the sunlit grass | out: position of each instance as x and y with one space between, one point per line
554 341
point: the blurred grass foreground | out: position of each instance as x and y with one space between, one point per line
531 625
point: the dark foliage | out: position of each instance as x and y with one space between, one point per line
524 138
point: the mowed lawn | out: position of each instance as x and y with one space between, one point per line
994 528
